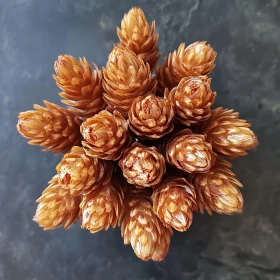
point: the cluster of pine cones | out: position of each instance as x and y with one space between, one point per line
143 147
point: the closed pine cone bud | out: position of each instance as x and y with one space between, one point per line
56 206
53 127
126 77
195 60
151 116
229 135
174 202
141 228
142 166
82 87
190 152
139 37
163 244
106 135
218 190
82 174
102 207
192 99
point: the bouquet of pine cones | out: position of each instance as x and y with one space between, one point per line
143 148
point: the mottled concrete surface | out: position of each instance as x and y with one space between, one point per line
246 35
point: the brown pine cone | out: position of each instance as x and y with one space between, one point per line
195 60
102 207
126 77
141 228
136 35
56 206
218 190
192 99
82 87
190 152
106 135
151 116
53 127
174 202
229 135
82 174
142 166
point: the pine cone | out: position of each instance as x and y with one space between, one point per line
151 117
139 37
82 174
125 78
218 190
106 135
192 99
82 87
141 227
142 166
102 207
174 202
53 127
229 135
190 152
195 60
56 206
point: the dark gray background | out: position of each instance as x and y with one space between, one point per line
246 35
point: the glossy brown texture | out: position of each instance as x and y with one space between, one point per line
218 190
102 207
82 174
141 228
190 152
174 202
54 127
195 60
151 116
106 135
138 36
142 166
56 207
163 244
229 135
82 87
192 100
126 77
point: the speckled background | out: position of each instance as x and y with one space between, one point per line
246 35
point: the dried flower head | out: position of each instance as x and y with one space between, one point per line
53 127
106 135
141 227
82 174
229 135
82 87
218 190
138 36
151 116
126 77
192 99
102 207
195 60
190 152
56 206
174 202
142 166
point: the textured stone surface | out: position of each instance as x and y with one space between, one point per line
246 35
